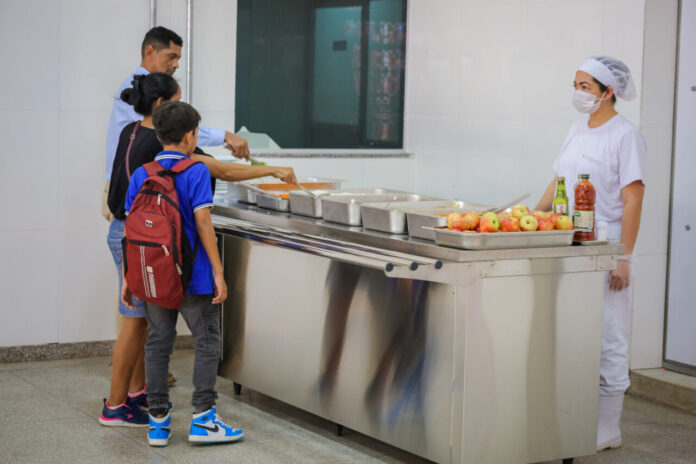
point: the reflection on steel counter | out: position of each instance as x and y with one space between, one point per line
396 386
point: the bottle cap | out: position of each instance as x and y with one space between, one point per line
561 179
584 176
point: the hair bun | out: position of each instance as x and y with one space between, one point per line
127 95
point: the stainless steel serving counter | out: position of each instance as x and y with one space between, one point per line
457 356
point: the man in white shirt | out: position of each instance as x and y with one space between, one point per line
160 52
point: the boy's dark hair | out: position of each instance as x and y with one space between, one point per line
159 37
173 120
147 88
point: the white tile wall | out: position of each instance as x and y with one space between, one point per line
30 54
648 312
29 286
29 181
652 238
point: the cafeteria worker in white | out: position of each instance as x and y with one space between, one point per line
611 150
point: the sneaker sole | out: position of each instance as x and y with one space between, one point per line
214 439
158 441
119 423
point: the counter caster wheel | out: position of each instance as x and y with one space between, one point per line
339 430
237 389
568 461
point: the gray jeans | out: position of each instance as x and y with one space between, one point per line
203 319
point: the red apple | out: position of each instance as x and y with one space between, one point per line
471 220
510 225
545 224
462 221
564 223
529 223
489 223
520 211
554 218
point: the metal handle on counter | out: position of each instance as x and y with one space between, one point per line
229 227
403 259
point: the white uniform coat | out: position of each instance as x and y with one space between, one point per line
613 154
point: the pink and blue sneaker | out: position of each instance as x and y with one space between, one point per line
122 416
207 427
160 430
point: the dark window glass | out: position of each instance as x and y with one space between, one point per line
322 73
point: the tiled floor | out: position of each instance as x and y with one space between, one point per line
48 414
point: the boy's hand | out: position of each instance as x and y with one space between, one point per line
220 289
127 296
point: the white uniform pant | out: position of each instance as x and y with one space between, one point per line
616 332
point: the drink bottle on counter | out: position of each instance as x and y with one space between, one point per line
584 216
560 202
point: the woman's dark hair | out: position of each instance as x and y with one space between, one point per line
147 88
173 120
603 88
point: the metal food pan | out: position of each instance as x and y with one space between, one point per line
420 220
390 217
503 240
241 192
305 204
274 202
346 209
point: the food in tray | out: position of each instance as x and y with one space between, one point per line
518 220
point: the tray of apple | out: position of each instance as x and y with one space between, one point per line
518 228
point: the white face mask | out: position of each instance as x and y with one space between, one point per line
585 102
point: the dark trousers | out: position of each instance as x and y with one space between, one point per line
203 319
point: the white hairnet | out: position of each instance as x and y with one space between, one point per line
612 73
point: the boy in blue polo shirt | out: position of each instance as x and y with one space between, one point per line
176 126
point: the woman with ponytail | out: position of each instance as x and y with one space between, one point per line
139 145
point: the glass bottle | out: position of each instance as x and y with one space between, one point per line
584 216
560 202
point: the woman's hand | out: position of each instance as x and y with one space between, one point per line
127 296
287 175
620 278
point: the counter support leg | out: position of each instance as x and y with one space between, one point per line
339 430
237 389
568 461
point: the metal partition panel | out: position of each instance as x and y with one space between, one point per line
531 383
344 342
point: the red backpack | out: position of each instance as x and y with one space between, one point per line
155 243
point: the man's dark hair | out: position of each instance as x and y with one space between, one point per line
173 120
160 37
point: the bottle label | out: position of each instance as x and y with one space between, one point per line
583 221
560 208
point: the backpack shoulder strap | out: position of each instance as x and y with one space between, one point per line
183 165
152 168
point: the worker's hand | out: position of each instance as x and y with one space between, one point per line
220 289
620 277
287 175
238 145
127 296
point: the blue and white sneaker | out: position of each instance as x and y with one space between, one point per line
160 430
206 427
122 416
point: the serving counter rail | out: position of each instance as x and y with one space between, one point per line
457 356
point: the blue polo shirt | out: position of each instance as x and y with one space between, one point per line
193 190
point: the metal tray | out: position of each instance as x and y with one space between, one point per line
305 204
271 201
390 216
346 209
419 220
239 191
503 240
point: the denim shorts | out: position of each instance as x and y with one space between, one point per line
114 239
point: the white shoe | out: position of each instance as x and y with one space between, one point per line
609 423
